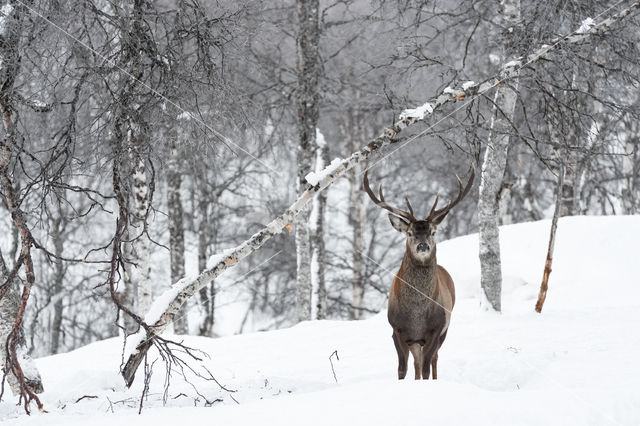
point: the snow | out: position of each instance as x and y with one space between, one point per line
417 113
38 104
158 307
449 90
320 139
576 363
184 116
314 177
5 11
468 84
219 257
512 64
586 25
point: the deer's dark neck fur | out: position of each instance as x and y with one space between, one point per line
420 274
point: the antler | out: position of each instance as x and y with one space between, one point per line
436 216
381 203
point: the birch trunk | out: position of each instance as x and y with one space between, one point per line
9 306
544 286
132 149
318 258
176 227
170 302
307 66
493 169
207 293
630 170
356 220
23 376
58 307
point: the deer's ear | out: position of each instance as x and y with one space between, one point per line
399 224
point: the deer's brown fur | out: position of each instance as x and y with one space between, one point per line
422 293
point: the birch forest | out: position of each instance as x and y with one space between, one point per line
175 168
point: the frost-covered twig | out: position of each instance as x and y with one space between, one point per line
165 308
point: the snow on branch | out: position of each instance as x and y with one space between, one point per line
512 68
165 307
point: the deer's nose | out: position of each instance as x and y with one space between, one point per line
423 247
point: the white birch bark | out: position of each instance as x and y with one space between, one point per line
167 305
140 245
308 68
493 168
318 257
11 30
9 304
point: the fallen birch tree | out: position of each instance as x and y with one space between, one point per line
164 308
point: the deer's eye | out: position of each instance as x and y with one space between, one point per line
410 233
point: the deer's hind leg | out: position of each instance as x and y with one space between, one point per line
430 353
416 351
434 359
403 354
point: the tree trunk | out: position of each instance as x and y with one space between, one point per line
318 258
58 282
544 286
493 168
207 293
176 226
630 170
307 66
23 375
356 220
9 306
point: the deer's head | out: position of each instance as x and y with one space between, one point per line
420 233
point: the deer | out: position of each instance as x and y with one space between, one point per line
422 293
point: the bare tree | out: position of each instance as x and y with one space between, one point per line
493 167
307 104
18 367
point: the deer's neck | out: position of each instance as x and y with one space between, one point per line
420 274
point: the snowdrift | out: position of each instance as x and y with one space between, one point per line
576 363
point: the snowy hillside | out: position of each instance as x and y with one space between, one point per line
576 364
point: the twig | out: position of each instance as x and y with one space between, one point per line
332 370
87 397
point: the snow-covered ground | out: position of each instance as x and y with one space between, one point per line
576 364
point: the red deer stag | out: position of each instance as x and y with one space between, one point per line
422 294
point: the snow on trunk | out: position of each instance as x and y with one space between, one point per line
308 68
493 170
138 345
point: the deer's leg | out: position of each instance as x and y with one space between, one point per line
430 350
416 351
434 366
434 360
403 355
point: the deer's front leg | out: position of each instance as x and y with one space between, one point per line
403 354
